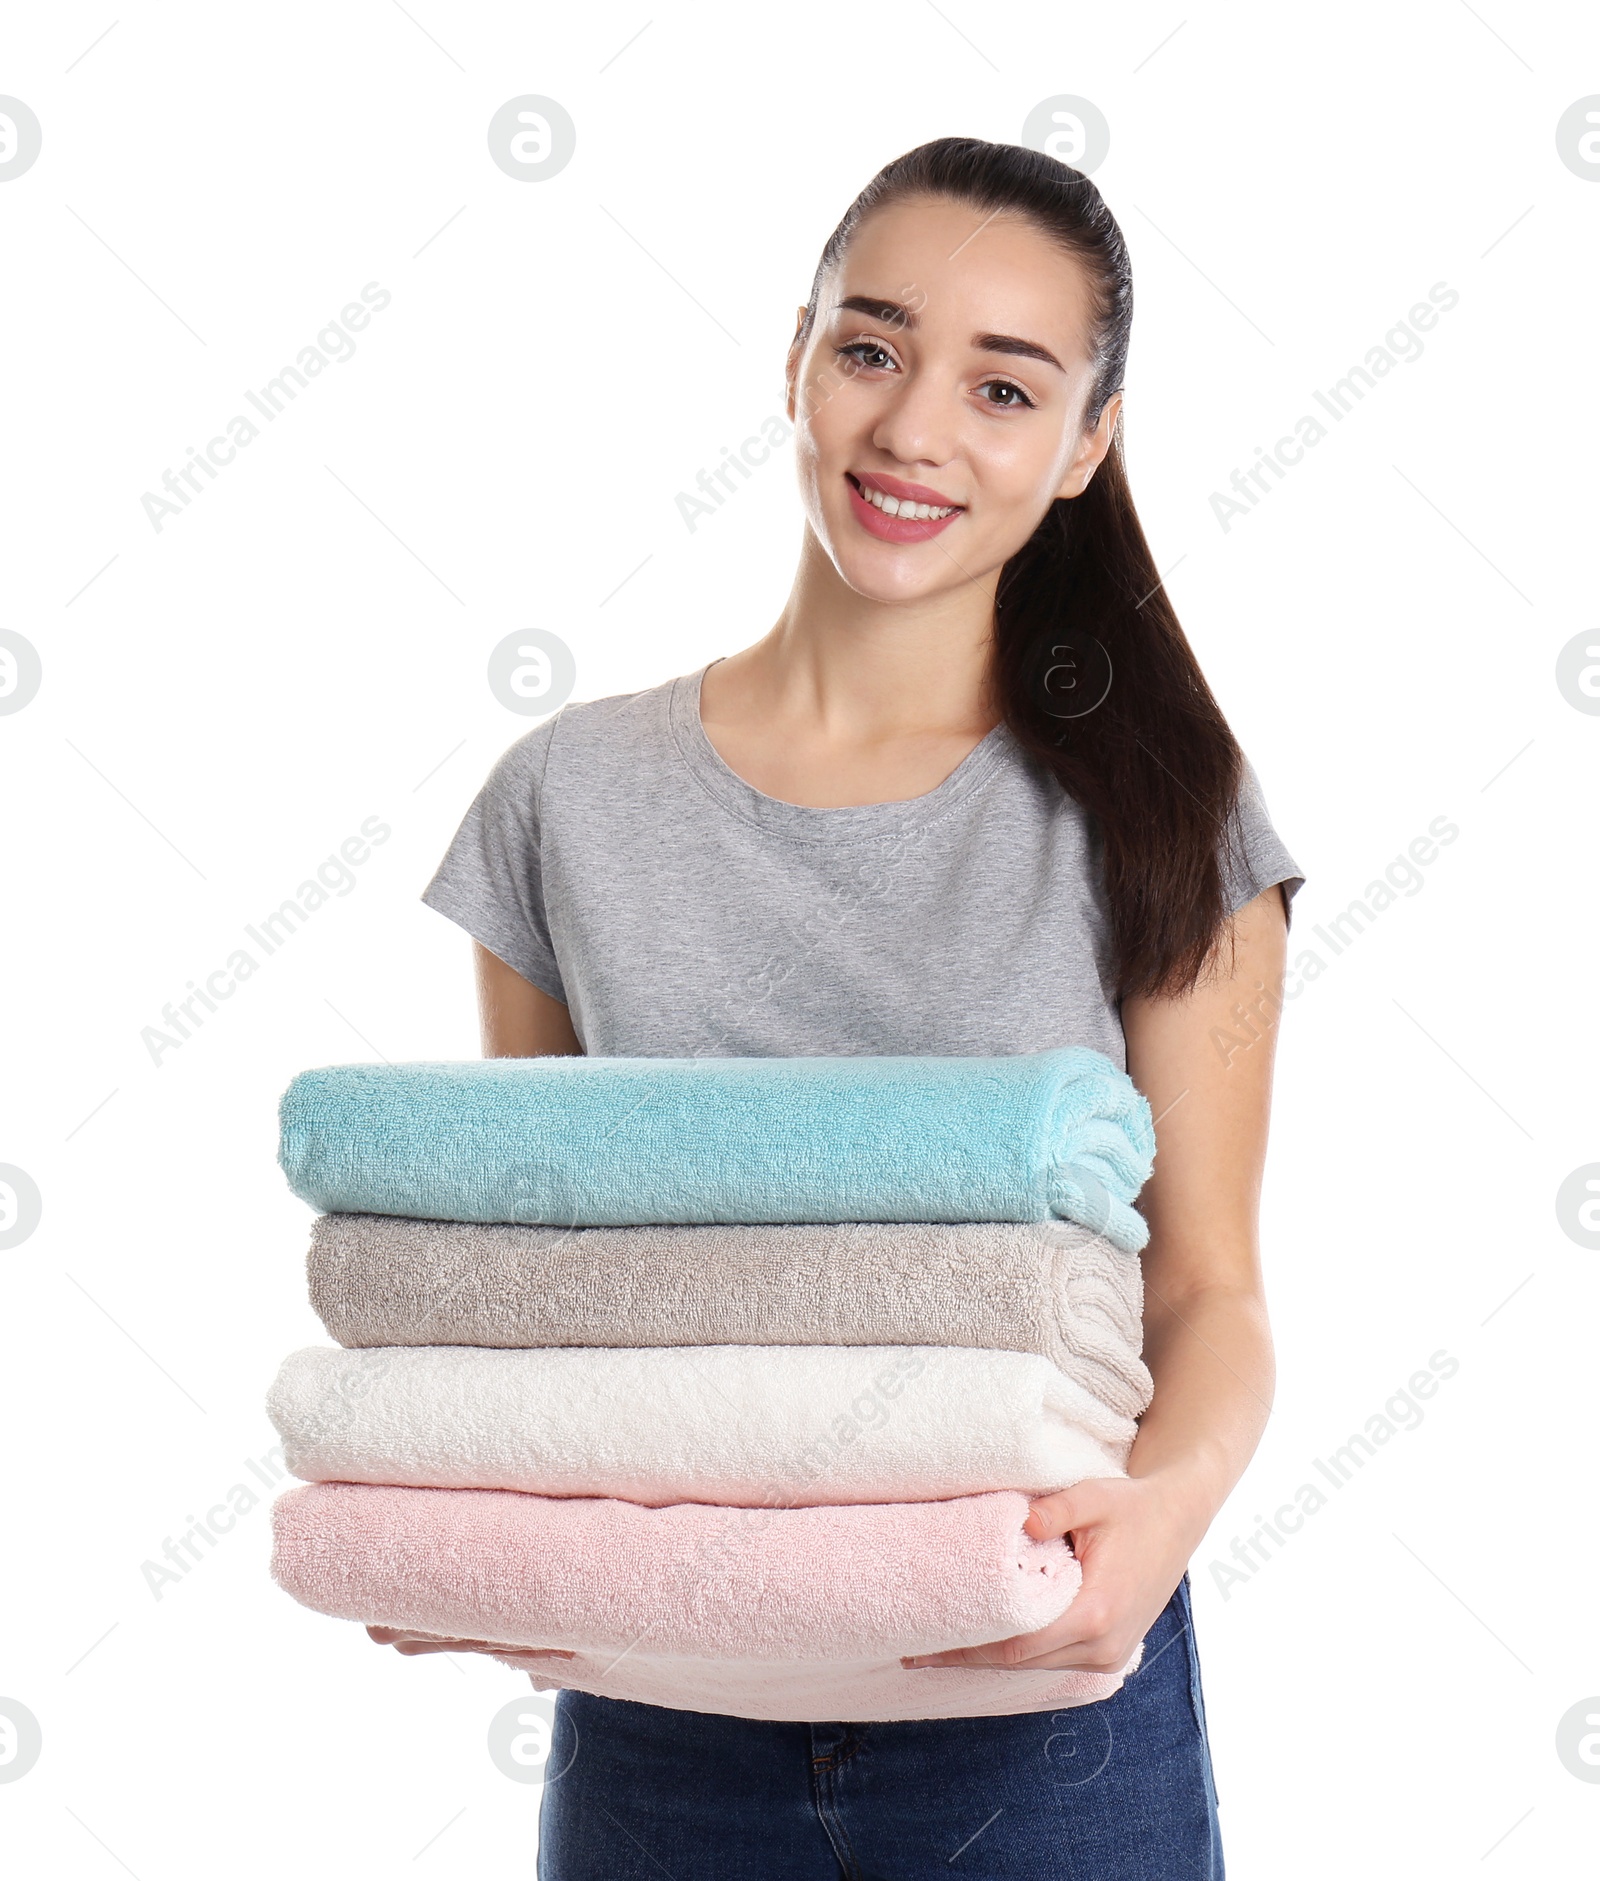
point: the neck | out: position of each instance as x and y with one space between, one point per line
859 668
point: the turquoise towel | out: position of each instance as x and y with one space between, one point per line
614 1142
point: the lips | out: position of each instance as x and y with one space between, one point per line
905 525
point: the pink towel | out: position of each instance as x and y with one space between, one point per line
646 1597
862 1691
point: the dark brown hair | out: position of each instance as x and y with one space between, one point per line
1093 674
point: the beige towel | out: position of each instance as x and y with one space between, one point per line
1053 1289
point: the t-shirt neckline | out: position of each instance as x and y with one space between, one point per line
857 822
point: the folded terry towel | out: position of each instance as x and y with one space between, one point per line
757 1426
597 1142
852 1689
624 1584
1051 1288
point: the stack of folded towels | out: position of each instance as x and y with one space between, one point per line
714 1383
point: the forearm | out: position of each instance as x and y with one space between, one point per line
1209 1351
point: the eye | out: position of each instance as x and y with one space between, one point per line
1015 398
869 354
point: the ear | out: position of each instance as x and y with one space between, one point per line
792 364
1092 449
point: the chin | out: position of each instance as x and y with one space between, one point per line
891 573
893 581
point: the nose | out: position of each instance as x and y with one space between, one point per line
917 426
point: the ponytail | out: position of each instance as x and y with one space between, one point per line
1094 675
1098 683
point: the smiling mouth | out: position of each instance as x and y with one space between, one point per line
907 508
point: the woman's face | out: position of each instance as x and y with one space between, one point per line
948 371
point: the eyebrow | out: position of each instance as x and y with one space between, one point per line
893 314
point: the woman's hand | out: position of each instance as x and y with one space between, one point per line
412 1644
1133 1537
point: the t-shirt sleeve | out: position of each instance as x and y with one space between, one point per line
1255 858
490 881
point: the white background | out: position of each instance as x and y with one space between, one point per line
224 701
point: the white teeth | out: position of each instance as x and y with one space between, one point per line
902 506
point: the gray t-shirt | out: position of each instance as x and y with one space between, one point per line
616 861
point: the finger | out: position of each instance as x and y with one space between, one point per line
1052 1516
1066 1660
1021 1649
940 1661
999 1656
413 1644
1027 1653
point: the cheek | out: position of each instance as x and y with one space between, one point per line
832 414
833 435
1016 474
808 454
1021 466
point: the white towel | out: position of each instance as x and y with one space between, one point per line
744 1426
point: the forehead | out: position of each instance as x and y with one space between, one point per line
969 269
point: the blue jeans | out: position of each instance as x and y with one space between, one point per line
1116 1791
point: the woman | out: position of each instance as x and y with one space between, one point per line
970 795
